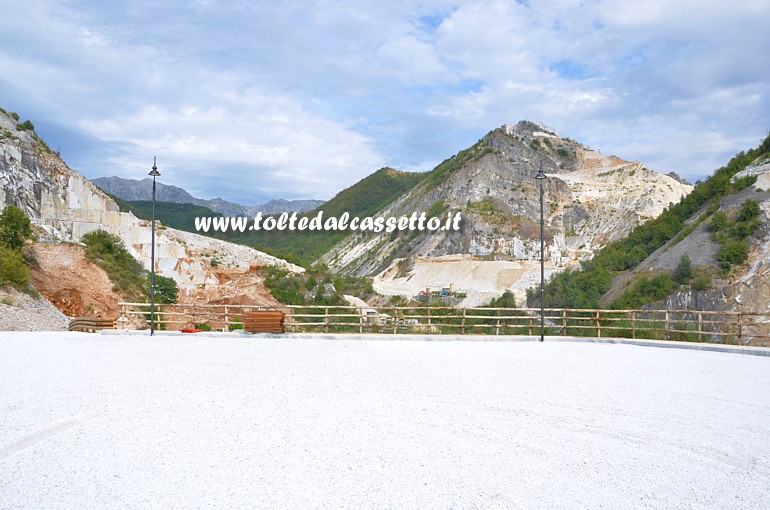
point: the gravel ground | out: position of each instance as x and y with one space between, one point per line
96 421
22 312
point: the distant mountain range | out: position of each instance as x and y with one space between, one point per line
133 190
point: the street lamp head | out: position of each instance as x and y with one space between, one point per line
154 172
540 174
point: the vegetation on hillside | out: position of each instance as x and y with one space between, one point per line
583 288
446 168
316 286
126 273
15 231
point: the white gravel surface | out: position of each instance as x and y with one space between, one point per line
94 421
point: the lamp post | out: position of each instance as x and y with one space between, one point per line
154 173
541 177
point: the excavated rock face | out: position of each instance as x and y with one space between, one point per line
589 201
66 206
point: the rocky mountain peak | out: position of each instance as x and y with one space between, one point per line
590 200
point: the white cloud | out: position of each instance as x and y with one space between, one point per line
302 100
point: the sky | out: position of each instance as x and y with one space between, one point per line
255 100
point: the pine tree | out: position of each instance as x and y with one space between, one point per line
683 271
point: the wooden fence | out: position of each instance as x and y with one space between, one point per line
685 325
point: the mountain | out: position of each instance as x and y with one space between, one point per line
134 190
728 283
64 206
590 200
364 198
708 252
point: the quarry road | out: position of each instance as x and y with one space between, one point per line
121 421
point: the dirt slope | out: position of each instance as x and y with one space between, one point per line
78 287
74 284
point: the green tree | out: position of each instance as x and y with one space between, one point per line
166 290
683 271
15 227
13 272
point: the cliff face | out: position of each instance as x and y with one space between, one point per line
589 199
66 206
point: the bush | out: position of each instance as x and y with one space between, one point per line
718 221
507 300
733 253
749 210
15 227
108 252
26 126
701 282
13 271
645 291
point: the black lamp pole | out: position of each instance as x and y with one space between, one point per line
541 177
154 173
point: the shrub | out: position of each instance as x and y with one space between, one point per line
235 325
733 253
15 227
26 126
749 210
718 221
108 252
645 291
701 282
13 271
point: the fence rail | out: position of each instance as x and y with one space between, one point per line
741 328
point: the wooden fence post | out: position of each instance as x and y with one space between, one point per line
530 322
598 325
564 321
700 327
